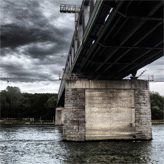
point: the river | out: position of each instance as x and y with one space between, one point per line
29 144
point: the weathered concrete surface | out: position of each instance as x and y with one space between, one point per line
74 115
109 114
59 117
100 110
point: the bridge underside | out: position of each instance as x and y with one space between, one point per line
119 38
123 42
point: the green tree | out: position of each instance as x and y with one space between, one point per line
50 108
157 106
15 104
4 104
15 101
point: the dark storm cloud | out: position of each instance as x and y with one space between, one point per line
33 37
40 51
14 36
50 60
35 40
30 25
45 49
4 51
23 12
16 72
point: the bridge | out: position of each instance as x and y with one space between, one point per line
112 39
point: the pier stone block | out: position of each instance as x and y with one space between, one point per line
107 110
59 117
74 115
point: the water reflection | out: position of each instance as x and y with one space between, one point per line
105 152
37 144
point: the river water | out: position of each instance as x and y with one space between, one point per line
44 145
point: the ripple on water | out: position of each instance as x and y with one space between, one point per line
43 144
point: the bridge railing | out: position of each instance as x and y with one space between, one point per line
69 8
82 26
61 89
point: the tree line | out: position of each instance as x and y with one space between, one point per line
14 104
157 106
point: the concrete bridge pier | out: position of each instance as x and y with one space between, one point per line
59 116
107 110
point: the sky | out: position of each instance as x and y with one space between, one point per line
35 39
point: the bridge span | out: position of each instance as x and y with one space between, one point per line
112 39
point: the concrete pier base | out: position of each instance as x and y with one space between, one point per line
59 117
107 110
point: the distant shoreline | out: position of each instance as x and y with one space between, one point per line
21 122
47 122
157 121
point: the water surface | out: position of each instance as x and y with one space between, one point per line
44 145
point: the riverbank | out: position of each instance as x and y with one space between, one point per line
23 122
48 122
157 121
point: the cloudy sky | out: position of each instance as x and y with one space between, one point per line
35 39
